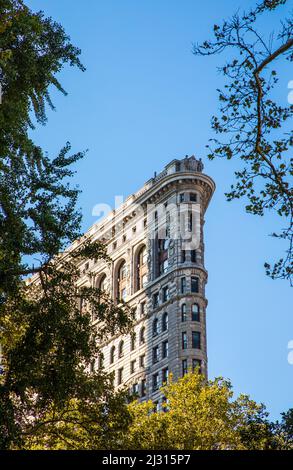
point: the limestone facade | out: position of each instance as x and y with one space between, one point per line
155 270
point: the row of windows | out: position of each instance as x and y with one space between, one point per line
141 363
194 289
191 197
160 378
132 345
194 285
195 316
164 324
140 278
183 198
196 366
164 351
192 256
195 340
164 348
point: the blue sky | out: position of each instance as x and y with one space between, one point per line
144 100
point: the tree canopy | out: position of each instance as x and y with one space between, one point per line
199 415
47 335
252 126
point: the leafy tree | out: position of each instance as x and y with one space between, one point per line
82 425
47 336
252 126
199 415
284 430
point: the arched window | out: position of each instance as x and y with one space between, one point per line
142 335
183 313
165 321
121 349
141 268
121 282
112 355
195 312
155 327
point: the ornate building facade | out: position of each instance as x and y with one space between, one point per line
156 246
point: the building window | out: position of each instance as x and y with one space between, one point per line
195 339
195 314
132 366
133 341
163 245
194 285
144 280
143 388
156 300
196 365
135 389
190 221
183 285
165 375
155 354
101 361
165 294
102 283
164 266
181 197
141 268
112 355
168 224
142 335
120 376
165 349
121 349
155 382
183 256
165 321
184 367
142 308
193 197
121 282
184 340
193 256
142 361
155 327
183 313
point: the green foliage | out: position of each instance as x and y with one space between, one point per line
82 425
252 126
47 335
199 415
284 431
